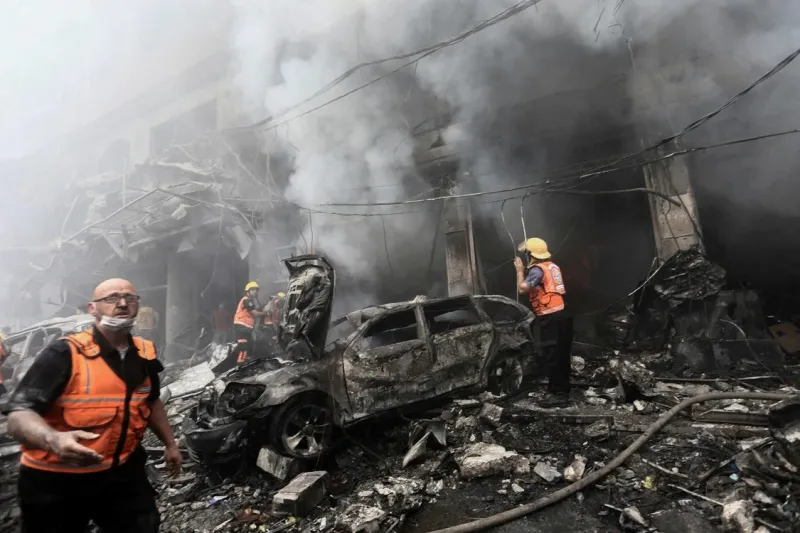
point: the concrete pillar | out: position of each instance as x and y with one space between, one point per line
674 228
182 295
461 257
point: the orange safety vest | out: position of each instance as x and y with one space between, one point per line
546 298
94 401
243 317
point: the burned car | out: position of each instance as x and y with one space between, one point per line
380 359
24 345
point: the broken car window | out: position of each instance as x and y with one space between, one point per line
501 313
450 314
400 326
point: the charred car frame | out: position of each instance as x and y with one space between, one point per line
381 358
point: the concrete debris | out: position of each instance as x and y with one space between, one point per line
547 472
737 516
598 430
360 518
433 488
301 495
191 380
275 464
632 373
491 414
467 422
575 471
517 489
737 408
483 460
631 518
578 364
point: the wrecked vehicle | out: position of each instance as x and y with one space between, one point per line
381 358
25 344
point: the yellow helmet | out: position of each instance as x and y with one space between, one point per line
251 285
536 247
281 295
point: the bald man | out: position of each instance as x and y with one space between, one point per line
80 413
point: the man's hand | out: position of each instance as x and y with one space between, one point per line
65 445
518 264
173 458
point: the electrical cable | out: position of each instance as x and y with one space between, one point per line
386 247
559 495
422 53
665 157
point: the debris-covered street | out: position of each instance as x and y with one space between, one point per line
408 266
727 463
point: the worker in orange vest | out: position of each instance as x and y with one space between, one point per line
80 413
544 286
244 321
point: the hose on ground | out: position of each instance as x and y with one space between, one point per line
523 510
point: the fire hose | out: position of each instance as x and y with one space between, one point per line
523 510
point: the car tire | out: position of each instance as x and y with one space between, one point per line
303 426
505 374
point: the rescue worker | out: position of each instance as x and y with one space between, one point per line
273 309
80 413
4 353
244 321
544 285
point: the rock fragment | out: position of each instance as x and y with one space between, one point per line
491 414
547 472
575 471
598 430
483 460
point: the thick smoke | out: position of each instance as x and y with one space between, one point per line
559 84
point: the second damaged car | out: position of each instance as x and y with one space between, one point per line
382 358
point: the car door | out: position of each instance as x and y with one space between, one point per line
461 340
387 364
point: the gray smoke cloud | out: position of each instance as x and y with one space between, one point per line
634 70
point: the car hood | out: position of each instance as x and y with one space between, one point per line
306 314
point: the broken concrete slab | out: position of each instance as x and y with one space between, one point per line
301 495
359 518
547 472
483 460
191 380
275 464
491 414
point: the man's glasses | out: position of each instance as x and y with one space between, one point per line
115 298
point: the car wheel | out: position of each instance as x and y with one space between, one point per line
303 427
505 375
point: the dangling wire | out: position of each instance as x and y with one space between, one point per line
511 238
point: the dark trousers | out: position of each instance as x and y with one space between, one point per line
244 343
120 500
556 342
